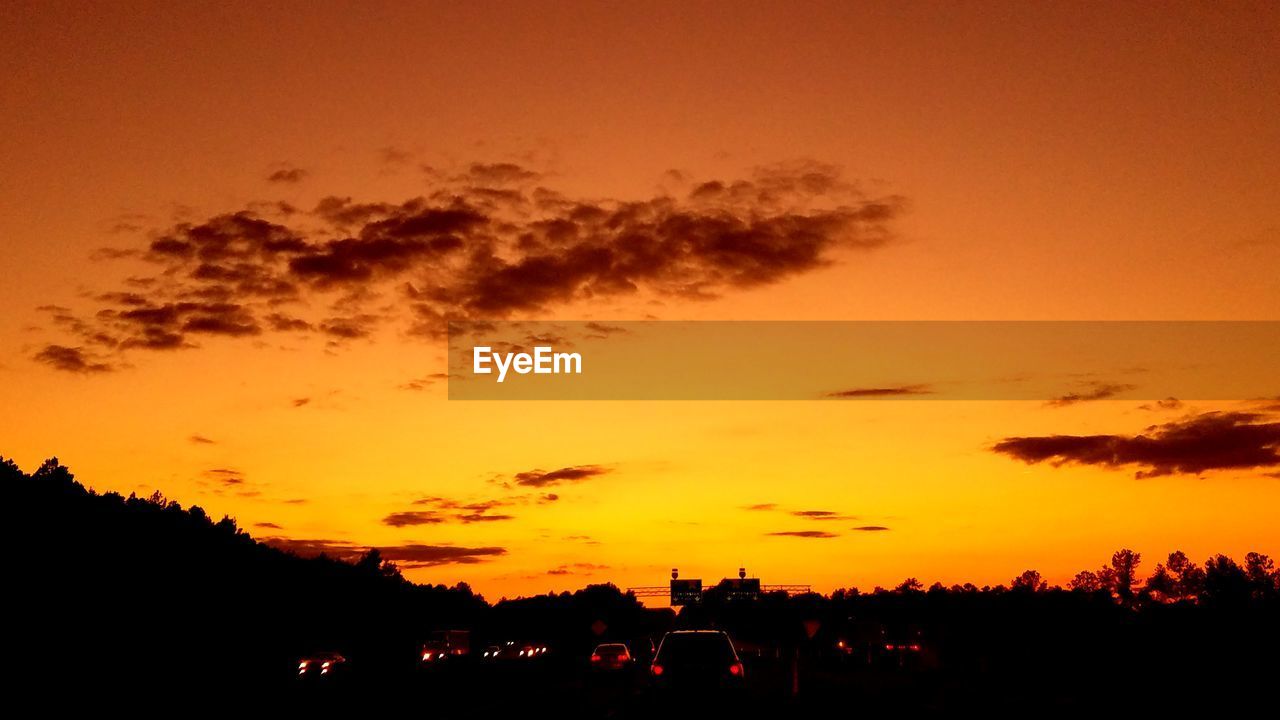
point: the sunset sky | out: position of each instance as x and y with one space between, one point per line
230 236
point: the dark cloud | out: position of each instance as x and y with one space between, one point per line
819 515
539 478
226 476
412 518
414 555
268 525
299 402
153 326
1170 403
816 534
475 517
339 549
285 323
500 174
598 331
70 359
870 528
1096 391
891 391
348 328
288 175
1192 446
422 382
462 511
202 440
409 555
486 242
581 568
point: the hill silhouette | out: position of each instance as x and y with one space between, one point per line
114 588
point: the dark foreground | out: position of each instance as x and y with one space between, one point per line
785 688
134 604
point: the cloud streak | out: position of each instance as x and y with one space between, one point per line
1192 446
812 534
408 555
1097 391
576 473
70 359
890 391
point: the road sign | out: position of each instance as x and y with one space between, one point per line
686 592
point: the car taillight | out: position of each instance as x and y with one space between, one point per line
735 669
595 658
888 647
656 669
915 648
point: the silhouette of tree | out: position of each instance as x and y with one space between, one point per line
1261 571
910 585
9 470
1122 574
188 598
1086 581
1162 586
1188 576
1029 581
1225 582
373 564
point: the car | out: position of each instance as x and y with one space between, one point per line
697 660
611 657
322 666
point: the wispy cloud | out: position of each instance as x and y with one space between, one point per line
1095 391
489 240
408 555
543 478
287 174
70 359
815 534
887 391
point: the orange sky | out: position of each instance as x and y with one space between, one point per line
1045 161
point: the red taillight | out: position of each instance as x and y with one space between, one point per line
595 658
656 669
888 647
915 648
735 669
